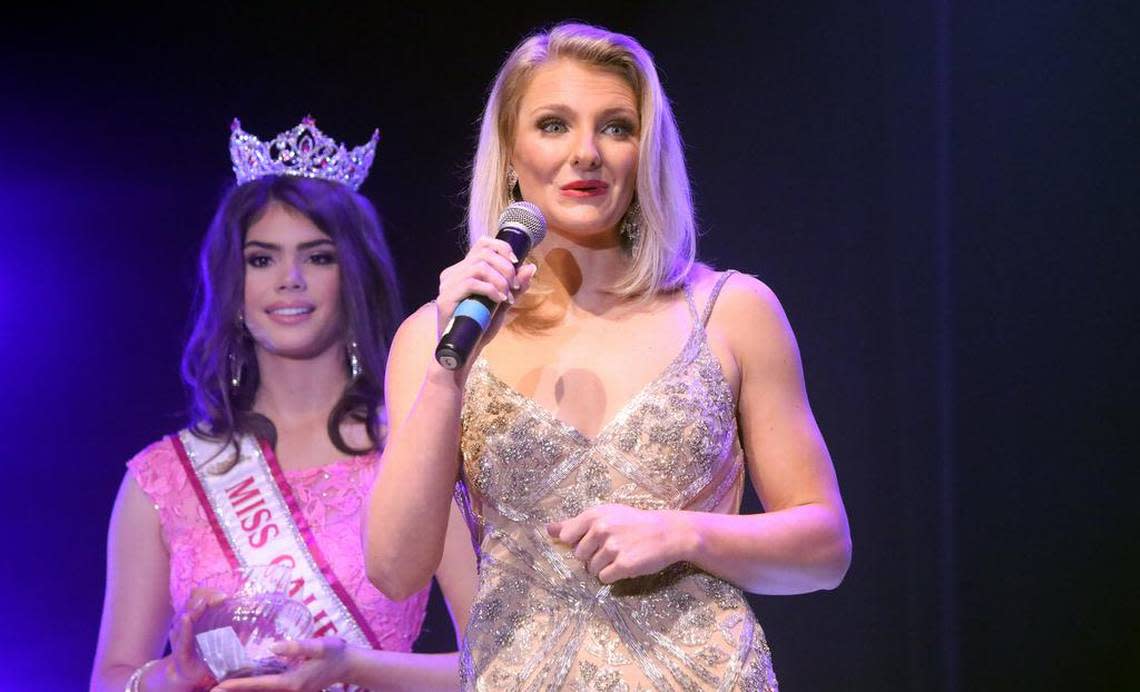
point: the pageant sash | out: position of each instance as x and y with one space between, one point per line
257 521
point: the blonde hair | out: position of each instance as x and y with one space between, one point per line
666 250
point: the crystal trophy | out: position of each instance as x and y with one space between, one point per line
233 636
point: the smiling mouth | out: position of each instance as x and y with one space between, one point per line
292 312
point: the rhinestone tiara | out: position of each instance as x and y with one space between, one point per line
303 150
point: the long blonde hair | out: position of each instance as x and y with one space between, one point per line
665 252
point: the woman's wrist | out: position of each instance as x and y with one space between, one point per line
688 541
134 682
163 674
360 668
147 676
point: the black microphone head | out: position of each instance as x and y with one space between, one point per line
526 218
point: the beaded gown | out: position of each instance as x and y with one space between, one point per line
331 498
540 621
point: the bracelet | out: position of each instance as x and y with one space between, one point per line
134 683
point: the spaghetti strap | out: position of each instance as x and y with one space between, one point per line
713 295
692 303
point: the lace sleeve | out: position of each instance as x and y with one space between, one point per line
195 555
158 472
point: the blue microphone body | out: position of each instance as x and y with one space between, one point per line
521 226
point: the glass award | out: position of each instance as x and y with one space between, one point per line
233 636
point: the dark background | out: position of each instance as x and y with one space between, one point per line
942 194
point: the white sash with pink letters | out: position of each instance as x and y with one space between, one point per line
258 522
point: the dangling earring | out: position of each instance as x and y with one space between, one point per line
514 192
354 369
235 371
630 228
236 364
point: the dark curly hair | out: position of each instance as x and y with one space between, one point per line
369 296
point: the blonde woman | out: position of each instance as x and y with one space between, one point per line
603 434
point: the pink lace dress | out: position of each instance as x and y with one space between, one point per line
332 499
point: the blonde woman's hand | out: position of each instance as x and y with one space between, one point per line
487 270
618 542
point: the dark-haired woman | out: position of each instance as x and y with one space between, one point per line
296 306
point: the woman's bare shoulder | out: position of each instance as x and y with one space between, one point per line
740 295
747 315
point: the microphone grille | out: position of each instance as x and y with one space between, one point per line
526 217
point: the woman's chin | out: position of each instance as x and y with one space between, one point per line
296 350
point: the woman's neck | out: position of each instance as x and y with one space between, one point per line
294 392
582 277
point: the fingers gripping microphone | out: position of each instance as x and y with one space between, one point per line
522 226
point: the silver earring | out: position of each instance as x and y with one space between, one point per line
235 371
354 369
514 193
631 224
236 364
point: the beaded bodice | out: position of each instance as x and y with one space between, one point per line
540 620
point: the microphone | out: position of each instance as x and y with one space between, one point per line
522 226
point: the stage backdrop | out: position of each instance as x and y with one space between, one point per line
943 196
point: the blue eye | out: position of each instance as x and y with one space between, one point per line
552 126
618 128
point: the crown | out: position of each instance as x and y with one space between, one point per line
303 150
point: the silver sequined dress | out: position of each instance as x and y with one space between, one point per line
540 621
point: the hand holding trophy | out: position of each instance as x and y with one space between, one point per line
234 633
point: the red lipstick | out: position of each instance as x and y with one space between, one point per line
585 188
